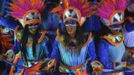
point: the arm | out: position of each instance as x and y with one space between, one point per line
49 64
55 53
91 51
103 54
94 63
45 47
17 57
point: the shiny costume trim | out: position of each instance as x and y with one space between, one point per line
112 42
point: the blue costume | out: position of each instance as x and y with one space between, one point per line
73 58
74 48
31 38
107 51
110 44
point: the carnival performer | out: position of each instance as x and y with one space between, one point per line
110 44
73 48
30 36
129 28
6 51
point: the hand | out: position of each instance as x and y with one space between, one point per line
10 55
48 65
97 66
120 65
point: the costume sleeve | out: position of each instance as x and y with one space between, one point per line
55 53
45 46
17 46
91 50
9 22
103 54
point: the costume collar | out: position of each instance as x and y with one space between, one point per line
29 44
114 40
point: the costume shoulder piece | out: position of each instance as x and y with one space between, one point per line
114 40
18 34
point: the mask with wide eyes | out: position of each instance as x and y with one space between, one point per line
32 17
115 18
71 14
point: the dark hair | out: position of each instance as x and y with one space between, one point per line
24 41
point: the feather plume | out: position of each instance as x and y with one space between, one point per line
107 7
83 6
20 7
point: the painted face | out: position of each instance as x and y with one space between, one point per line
71 28
33 28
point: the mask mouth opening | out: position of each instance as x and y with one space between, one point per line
115 27
33 26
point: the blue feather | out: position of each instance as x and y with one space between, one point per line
9 22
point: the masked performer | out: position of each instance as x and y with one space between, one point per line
30 37
110 43
6 46
129 29
74 48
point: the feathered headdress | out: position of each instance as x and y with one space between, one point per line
74 10
112 11
27 11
